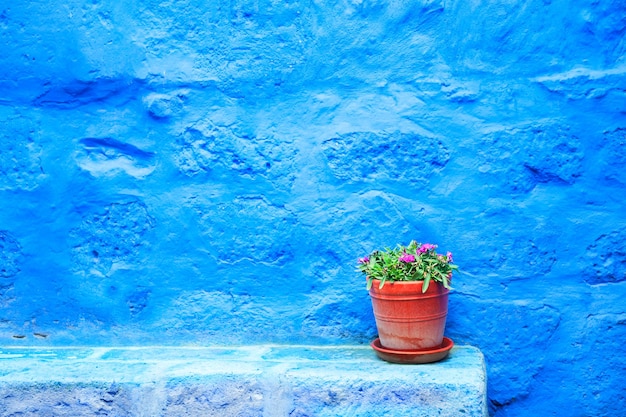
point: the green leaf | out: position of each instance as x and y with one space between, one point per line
446 283
426 283
370 281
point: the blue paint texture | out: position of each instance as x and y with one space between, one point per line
259 380
207 173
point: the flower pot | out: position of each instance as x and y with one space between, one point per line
408 319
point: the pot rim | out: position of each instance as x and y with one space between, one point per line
434 287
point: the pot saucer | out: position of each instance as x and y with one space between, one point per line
413 356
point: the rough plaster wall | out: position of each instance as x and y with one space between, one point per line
193 172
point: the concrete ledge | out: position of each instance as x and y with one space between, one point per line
266 380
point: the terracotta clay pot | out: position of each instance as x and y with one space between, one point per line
408 319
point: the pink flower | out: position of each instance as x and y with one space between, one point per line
364 260
426 247
407 257
449 255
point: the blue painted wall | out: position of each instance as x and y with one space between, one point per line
190 172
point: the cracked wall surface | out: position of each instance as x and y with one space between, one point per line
209 172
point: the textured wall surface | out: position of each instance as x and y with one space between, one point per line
191 172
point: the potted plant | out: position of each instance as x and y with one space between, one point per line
409 286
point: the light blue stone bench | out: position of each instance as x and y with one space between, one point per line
264 380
